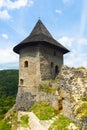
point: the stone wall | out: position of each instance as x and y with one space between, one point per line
42 62
30 74
49 59
52 98
26 97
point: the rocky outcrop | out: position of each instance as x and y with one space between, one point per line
72 92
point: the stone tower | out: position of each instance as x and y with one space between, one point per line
41 58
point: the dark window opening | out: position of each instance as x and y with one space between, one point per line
26 64
52 64
21 81
56 70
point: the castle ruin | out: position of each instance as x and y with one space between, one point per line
41 58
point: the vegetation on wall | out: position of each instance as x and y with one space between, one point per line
48 89
82 110
44 111
8 90
63 123
60 124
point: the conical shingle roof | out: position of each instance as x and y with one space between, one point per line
39 34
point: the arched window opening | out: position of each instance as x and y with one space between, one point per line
26 64
52 64
56 70
21 81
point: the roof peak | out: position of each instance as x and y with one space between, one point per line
40 29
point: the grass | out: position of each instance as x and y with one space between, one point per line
24 121
82 110
60 124
4 125
44 111
48 89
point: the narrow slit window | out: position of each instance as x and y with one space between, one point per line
52 64
56 69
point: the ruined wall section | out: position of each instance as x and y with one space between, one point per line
72 92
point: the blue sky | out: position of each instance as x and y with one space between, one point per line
65 19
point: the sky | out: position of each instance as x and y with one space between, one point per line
66 20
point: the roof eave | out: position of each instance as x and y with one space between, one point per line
17 48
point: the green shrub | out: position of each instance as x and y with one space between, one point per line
44 111
60 124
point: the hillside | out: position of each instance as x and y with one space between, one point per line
8 90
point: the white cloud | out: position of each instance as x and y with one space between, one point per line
78 54
58 11
82 41
76 59
2 2
66 41
16 4
70 42
7 56
9 4
4 36
4 15
30 2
